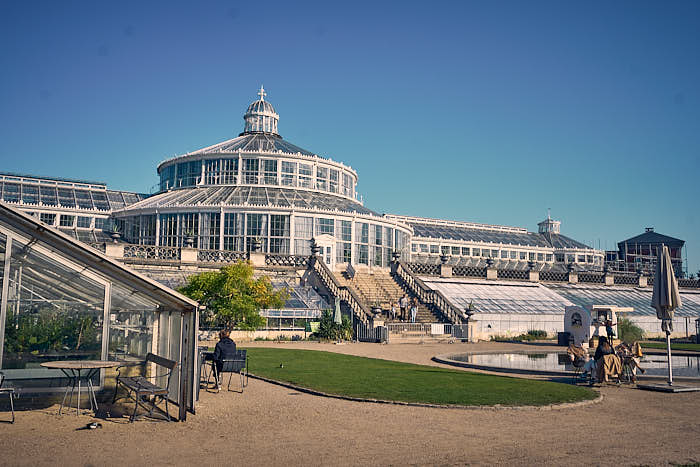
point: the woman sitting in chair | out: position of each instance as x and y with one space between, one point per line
607 363
225 349
630 354
579 357
577 354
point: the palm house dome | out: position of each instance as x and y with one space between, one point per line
260 187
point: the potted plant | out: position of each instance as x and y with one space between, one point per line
114 232
189 238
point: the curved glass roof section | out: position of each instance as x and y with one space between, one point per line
496 236
227 195
564 242
260 106
502 298
639 299
477 235
51 192
254 142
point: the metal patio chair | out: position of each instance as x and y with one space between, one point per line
10 393
238 364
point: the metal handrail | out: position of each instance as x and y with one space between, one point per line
427 295
339 291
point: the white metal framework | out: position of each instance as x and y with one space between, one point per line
259 187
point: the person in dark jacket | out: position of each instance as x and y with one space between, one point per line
604 348
225 350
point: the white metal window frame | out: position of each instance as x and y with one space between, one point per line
11 237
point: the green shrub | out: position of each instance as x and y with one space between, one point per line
537 333
628 331
531 335
329 329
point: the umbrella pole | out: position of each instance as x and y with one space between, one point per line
668 351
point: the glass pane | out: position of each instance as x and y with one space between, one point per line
131 319
53 313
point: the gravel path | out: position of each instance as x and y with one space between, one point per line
273 425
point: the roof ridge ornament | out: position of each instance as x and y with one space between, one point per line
262 93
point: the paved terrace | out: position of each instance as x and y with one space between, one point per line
273 425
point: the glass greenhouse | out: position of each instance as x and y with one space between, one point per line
62 300
260 187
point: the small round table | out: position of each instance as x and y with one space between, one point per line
77 371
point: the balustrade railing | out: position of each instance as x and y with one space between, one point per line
554 276
626 279
425 294
513 274
591 277
425 329
424 268
688 283
339 291
152 252
286 260
408 271
469 271
220 256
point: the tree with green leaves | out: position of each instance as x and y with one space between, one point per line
629 331
233 296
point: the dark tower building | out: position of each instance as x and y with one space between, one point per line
640 252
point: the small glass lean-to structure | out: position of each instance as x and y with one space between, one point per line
62 300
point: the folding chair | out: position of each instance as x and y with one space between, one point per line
10 393
238 364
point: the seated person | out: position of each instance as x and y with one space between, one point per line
604 348
591 365
225 349
577 354
630 354
607 363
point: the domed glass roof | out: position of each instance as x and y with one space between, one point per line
220 196
261 116
260 106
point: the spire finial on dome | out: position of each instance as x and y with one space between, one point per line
262 93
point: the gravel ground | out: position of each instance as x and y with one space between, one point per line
273 425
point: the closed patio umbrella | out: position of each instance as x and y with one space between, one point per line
665 299
337 316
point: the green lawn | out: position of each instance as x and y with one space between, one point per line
386 380
662 345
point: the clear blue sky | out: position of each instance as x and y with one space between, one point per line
480 111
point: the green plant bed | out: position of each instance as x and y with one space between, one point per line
662 345
360 377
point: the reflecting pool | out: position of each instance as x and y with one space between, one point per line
555 362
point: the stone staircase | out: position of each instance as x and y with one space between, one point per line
379 287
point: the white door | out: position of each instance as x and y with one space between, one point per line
328 256
327 245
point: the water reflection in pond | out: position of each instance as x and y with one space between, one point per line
655 365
